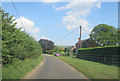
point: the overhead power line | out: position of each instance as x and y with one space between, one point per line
68 34
17 14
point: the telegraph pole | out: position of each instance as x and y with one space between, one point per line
80 37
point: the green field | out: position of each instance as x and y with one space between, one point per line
92 70
19 69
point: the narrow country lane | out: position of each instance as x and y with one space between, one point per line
53 68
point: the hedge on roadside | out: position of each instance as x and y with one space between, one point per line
107 54
17 44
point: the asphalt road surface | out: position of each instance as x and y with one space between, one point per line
53 68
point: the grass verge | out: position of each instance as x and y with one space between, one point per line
20 68
92 70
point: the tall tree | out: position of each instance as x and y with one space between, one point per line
104 34
118 36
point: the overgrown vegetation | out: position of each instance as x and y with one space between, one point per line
17 44
92 70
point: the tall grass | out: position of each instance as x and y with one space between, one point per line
19 68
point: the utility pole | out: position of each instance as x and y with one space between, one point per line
80 37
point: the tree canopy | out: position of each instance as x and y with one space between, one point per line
118 35
104 34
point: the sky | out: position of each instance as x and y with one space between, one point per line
60 21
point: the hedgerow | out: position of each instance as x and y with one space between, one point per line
17 44
106 54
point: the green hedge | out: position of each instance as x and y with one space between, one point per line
17 44
107 54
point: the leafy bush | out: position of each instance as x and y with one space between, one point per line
62 52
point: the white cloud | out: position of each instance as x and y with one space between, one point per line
28 25
79 8
35 30
42 37
98 4
72 22
50 1
60 0
63 43
35 36
77 12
